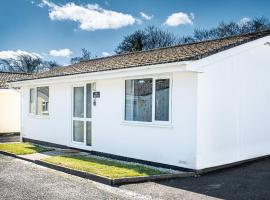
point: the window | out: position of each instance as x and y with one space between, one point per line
42 100
139 100
39 101
45 106
32 101
147 100
162 100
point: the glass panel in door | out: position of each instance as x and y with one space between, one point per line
78 99
88 133
78 131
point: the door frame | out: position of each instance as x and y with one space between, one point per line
82 145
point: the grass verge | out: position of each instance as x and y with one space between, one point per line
22 148
103 167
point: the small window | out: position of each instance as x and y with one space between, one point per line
39 101
141 99
32 101
42 100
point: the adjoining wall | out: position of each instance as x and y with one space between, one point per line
234 108
10 110
173 145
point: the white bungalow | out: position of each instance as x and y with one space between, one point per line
10 104
193 106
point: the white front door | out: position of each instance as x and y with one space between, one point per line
82 115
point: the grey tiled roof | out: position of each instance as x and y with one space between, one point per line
10 76
187 52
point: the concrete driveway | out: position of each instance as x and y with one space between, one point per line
249 181
23 180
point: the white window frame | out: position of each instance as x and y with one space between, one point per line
154 122
84 119
35 103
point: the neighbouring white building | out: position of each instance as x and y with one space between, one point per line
193 106
10 103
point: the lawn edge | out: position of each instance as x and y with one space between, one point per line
99 178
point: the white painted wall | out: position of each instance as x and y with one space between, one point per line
234 107
9 111
54 128
175 145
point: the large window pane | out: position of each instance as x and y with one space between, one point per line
138 101
162 100
78 104
78 131
88 101
43 100
88 133
32 101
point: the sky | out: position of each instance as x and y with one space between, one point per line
58 29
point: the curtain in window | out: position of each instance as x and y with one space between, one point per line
162 100
138 97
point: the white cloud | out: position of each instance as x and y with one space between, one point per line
179 18
60 53
145 16
14 54
243 21
90 17
104 54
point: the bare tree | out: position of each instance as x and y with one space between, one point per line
230 29
149 38
48 65
156 38
132 42
86 55
27 64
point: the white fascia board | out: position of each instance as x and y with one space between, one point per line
128 72
8 91
199 65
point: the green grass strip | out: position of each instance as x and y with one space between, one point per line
106 168
22 148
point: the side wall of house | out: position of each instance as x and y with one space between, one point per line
10 110
174 145
234 108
